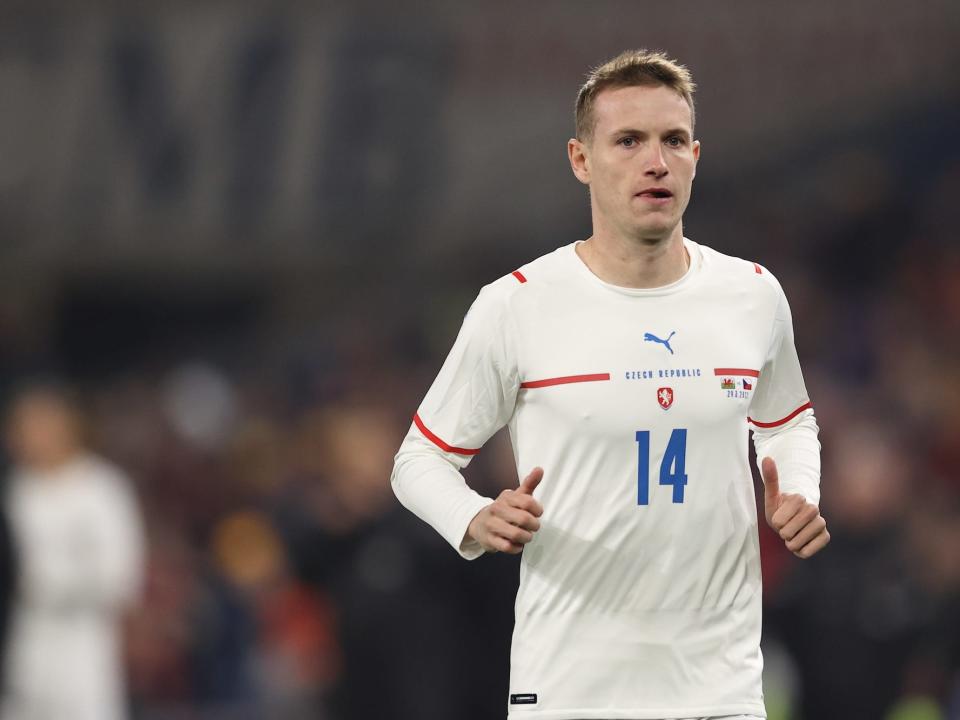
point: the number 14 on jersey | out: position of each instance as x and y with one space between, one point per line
672 466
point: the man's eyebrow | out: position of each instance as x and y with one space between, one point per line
643 133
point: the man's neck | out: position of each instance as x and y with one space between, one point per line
50 463
640 264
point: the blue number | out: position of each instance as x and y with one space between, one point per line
671 468
643 468
674 463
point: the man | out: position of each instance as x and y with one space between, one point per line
78 536
628 368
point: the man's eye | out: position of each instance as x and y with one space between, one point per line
675 141
628 142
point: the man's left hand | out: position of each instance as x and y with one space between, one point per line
797 521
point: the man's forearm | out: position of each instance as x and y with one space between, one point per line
796 450
434 490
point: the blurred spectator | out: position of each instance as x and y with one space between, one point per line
287 658
77 531
401 598
861 605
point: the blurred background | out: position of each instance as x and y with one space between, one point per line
240 239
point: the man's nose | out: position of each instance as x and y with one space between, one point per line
655 162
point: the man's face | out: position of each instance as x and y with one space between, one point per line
640 162
41 432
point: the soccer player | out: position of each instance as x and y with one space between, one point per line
628 368
79 540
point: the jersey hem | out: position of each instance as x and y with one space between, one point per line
640 713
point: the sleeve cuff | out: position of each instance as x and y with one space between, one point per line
468 549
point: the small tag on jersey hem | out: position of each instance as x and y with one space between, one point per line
523 699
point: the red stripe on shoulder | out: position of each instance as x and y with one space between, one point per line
438 442
519 276
758 269
806 406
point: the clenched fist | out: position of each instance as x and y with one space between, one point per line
796 521
509 522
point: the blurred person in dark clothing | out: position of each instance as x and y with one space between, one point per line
276 655
933 539
851 617
78 536
400 598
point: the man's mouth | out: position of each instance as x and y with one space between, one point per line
655 193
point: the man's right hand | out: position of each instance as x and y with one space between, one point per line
510 521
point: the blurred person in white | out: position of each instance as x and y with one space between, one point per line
78 536
635 353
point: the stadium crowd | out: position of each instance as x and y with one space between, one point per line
283 580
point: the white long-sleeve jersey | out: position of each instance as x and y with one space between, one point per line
640 595
79 540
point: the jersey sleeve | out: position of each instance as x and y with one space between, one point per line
471 398
781 394
781 414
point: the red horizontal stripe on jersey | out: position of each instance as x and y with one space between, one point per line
440 443
757 268
736 371
791 416
519 276
565 380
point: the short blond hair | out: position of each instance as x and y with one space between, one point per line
629 68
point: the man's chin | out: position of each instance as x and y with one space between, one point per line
654 233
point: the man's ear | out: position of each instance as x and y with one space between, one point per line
696 156
579 160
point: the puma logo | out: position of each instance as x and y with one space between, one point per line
650 337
